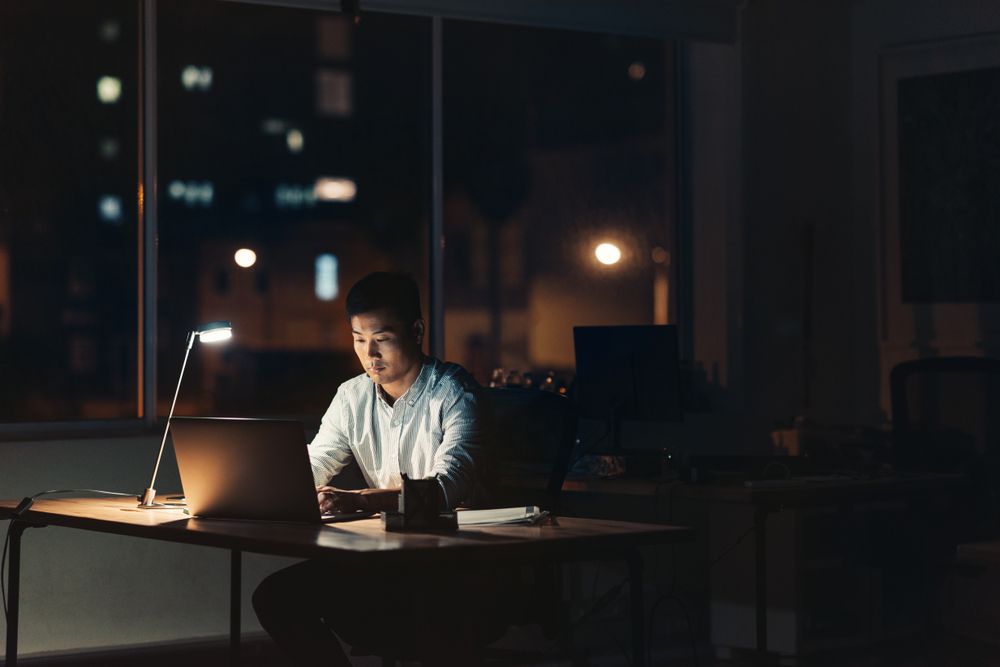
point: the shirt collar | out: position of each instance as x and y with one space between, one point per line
411 395
417 388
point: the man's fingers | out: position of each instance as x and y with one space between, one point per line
327 501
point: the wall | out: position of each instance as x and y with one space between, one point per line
807 309
879 27
783 277
84 590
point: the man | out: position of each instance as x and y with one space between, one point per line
407 413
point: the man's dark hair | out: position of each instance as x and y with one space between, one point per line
396 292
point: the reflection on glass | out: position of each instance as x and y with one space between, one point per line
311 142
558 180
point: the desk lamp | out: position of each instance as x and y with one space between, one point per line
212 332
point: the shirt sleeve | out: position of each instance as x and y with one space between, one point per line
330 450
454 459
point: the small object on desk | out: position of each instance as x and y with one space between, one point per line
420 507
504 516
599 465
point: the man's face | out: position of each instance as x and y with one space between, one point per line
387 348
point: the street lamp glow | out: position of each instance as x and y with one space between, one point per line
109 89
295 140
245 257
607 253
335 189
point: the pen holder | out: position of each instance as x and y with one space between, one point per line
420 503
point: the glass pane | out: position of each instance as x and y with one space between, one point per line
559 191
303 139
69 270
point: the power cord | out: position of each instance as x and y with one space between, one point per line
735 544
23 507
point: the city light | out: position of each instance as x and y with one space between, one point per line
273 126
608 253
294 196
637 71
333 93
192 193
335 189
109 207
110 30
295 140
245 257
108 148
327 286
109 89
195 78
660 255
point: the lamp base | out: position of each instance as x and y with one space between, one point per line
148 499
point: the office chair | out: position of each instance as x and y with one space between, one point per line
945 411
946 418
530 439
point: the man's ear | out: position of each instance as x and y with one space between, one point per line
418 332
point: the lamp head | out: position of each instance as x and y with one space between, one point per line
214 332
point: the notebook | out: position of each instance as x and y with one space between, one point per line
239 468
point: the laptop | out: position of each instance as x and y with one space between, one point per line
240 468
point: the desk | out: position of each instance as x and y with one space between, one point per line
844 494
361 543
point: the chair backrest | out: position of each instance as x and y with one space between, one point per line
531 435
945 411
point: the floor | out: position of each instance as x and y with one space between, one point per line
929 649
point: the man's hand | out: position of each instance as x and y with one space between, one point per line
332 499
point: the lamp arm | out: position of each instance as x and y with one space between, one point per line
151 490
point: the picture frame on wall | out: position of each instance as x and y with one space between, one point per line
939 232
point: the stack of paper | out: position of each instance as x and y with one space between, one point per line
500 517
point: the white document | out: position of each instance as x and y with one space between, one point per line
500 517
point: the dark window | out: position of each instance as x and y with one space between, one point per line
303 138
69 287
555 142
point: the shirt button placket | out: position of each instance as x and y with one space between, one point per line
397 433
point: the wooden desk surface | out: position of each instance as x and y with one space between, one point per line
360 541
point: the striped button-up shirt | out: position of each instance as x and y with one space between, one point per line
431 430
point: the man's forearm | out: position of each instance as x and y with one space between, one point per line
381 500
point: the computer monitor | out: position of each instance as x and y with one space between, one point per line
627 373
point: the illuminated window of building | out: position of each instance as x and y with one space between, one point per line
327 282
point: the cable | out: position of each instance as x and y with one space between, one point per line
733 546
23 507
669 519
98 491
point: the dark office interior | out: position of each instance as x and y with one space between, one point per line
798 192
